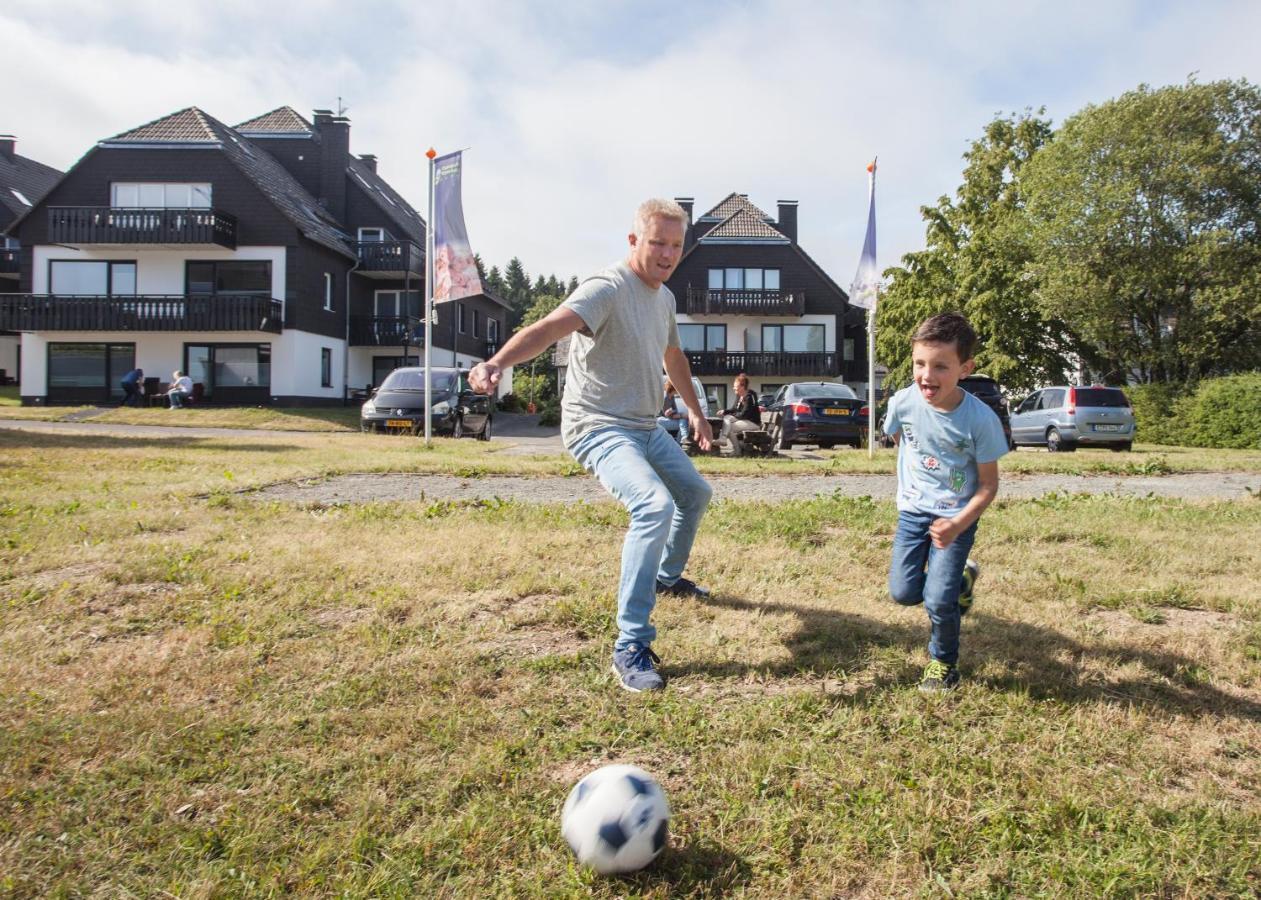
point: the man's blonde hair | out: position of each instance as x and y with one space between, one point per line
667 209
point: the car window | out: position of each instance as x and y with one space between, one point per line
414 380
985 388
1051 399
1030 403
825 389
1109 397
779 395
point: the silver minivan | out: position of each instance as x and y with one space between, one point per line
1063 418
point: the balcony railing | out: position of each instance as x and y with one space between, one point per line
390 257
147 312
822 363
386 331
10 261
119 225
744 303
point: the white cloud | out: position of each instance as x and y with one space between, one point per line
575 114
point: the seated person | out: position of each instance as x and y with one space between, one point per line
742 416
181 389
673 415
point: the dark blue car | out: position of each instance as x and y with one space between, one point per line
816 412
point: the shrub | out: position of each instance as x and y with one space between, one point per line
549 415
1223 412
511 403
1156 420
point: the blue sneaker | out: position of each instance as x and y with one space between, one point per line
684 587
634 666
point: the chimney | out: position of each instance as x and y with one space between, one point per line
334 134
368 160
686 203
788 219
8 146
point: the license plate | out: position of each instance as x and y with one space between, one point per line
1107 428
833 411
398 423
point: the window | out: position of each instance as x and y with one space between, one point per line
477 323
847 349
1052 399
145 195
793 338
21 197
396 303
717 396
229 369
328 290
384 365
460 311
744 279
87 372
703 337
91 278
492 330
326 367
373 234
236 276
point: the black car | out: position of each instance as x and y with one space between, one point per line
987 390
815 412
398 405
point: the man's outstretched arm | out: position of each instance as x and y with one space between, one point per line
525 344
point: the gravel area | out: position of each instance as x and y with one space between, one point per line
365 488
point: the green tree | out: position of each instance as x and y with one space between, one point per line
495 282
573 285
516 290
977 261
1146 215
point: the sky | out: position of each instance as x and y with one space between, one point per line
572 113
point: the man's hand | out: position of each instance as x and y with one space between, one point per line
483 377
700 430
943 532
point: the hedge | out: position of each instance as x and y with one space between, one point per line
1218 412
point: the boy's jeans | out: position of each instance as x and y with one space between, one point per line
920 573
652 477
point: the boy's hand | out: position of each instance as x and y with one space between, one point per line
943 532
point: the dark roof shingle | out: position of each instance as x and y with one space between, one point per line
733 203
27 177
744 223
188 126
281 120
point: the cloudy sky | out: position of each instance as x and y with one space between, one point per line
573 112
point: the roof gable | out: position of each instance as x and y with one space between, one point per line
734 203
390 201
187 126
744 224
282 121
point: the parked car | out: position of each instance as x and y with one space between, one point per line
986 390
815 412
398 405
1065 417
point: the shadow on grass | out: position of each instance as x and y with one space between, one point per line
699 864
1042 662
78 441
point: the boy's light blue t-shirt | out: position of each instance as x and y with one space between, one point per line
939 451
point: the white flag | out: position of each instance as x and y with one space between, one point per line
862 293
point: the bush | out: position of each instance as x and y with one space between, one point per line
511 403
1223 412
1156 419
549 415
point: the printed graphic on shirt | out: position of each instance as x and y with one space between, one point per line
961 444
908 435
957 480
931 463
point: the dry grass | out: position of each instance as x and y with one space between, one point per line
211 696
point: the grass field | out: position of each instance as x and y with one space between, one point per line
205 695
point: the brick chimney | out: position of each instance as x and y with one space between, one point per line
368 160
334 134
8 146
686 203
788 219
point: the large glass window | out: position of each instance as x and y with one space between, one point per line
744 279
396 303
715 279
793 338
148 195
753 279
230 366
91 278
384 365
229 276
703 337
733 280
87 372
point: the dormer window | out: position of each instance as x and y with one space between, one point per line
151 195
373 234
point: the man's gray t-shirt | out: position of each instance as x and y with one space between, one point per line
615 375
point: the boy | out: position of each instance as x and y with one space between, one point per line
949 443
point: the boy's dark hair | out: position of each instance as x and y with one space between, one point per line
947 328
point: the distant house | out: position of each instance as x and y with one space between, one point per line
264 260
23 182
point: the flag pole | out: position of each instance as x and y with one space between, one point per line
429 304
871 383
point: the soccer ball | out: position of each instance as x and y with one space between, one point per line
616 819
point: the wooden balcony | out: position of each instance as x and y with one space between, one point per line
80 225
744 303
386 331
147 312
820 364
390 259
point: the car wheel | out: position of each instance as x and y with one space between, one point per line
484 434
780 443
1122 448
365 427
457 430
1055 443
827 445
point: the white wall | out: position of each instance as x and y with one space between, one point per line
295 364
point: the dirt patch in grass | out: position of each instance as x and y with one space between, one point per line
71 575
1189 621
536 641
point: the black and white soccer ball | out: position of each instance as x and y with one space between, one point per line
616 819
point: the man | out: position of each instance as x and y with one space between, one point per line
131 387
181 390
624 332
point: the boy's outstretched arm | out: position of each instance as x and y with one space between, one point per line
944 531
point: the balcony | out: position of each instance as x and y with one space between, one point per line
147 312
389 259
814 364
77 225
386 331
10 263
744 303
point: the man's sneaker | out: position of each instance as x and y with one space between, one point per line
971 572
634 666
684 587
939 677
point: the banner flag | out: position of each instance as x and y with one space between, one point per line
862 292
454 268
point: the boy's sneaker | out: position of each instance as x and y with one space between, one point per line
634 666
684 587
971 572
939 677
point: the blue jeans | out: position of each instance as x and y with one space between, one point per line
676 428
920 573
649 474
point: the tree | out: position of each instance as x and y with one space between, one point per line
516 290
977 262
495 282
1145 212
573 285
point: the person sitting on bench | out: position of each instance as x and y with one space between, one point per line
181 389
742 416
